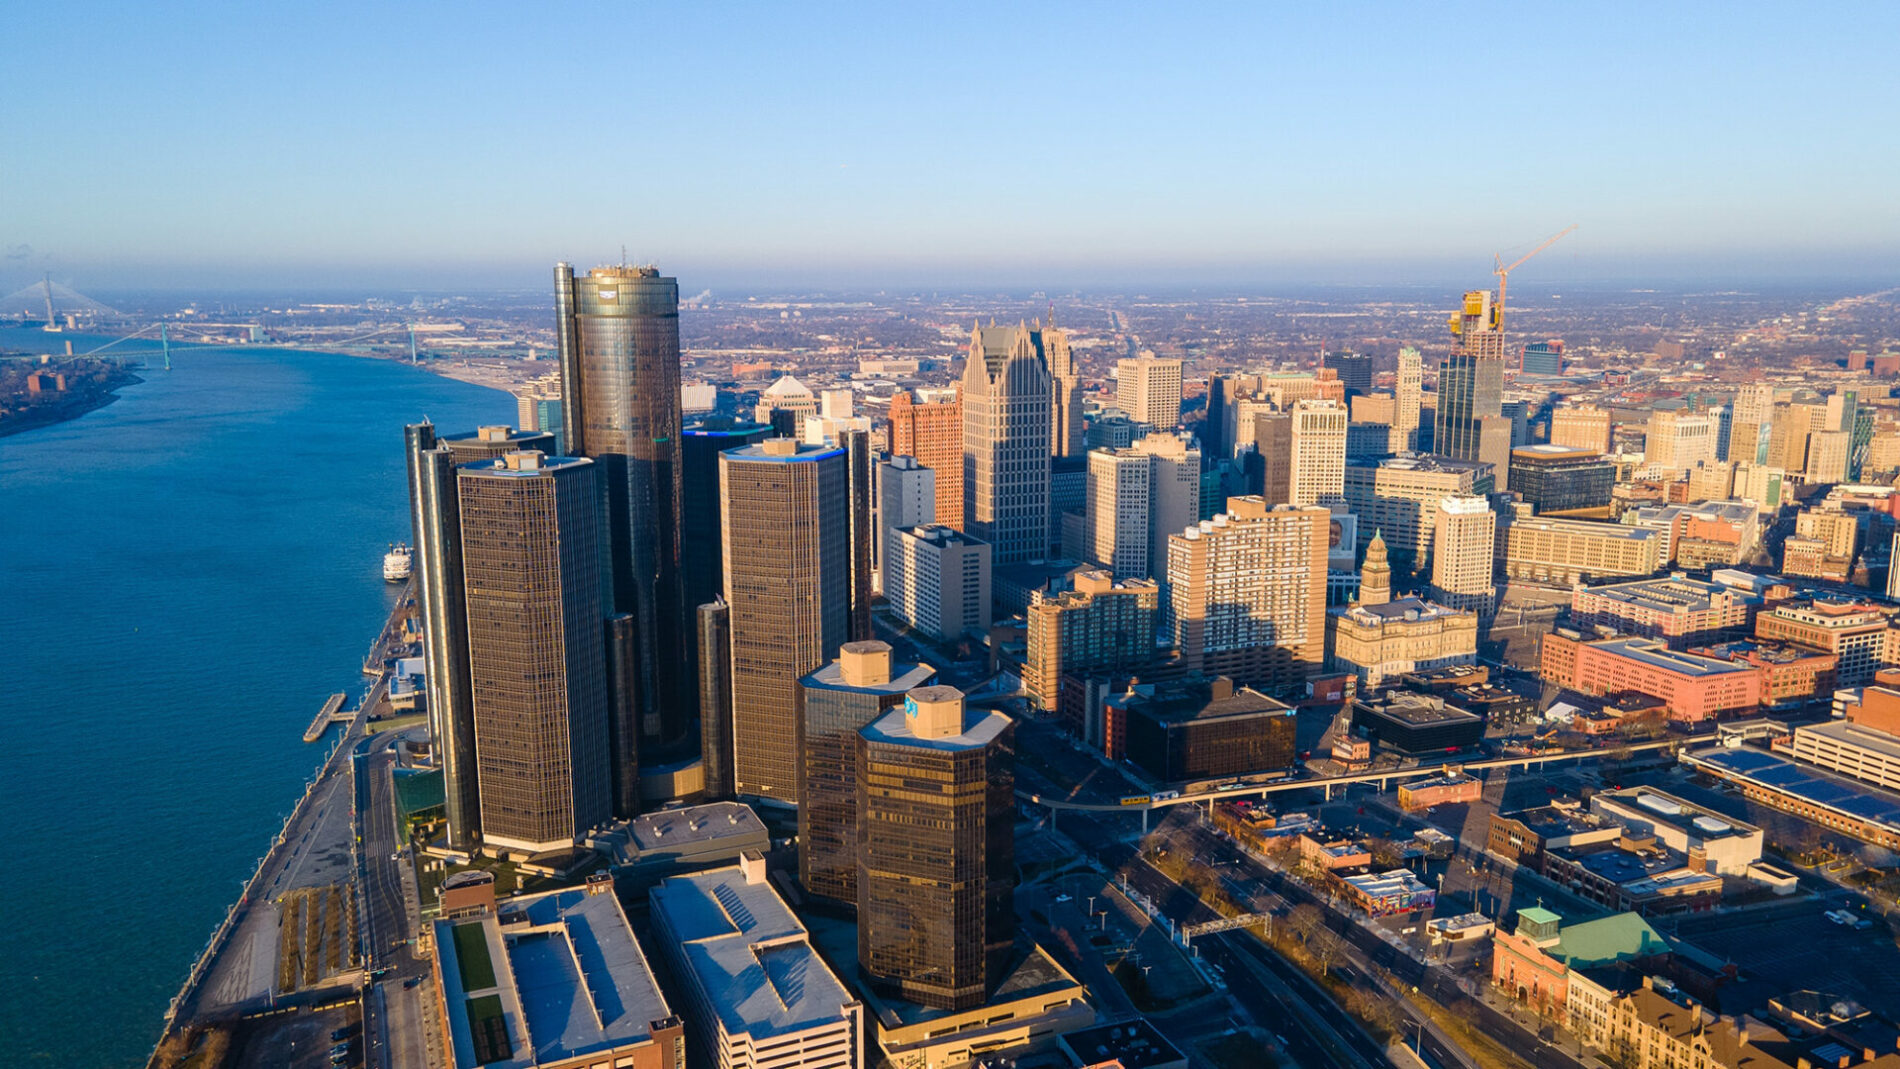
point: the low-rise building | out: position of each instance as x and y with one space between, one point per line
1854 632
1332 855
1526 836
760 995
1382 894
1834 802
1729 845
1199 729
652 846
1450 789
1790 675
1702 535
1130 1044
1534 963
1694 688
1378 642
1636 875
552 981
1545 549
1415 723
1676 609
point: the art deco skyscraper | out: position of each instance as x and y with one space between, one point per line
531 566
936 860
1066 432
435 518
1007 396
618 332
1317 464
834 704
1407 391
788 588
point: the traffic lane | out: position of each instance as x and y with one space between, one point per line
1291 1029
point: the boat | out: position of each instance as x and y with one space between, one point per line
397 563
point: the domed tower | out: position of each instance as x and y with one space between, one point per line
1375 576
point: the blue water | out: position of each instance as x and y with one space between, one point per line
185 574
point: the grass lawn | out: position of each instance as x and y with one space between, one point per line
471 959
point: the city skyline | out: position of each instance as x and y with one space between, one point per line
1182 147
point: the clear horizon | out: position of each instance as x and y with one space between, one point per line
1074 146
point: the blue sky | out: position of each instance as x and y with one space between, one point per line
454 145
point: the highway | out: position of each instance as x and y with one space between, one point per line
393 1006
1327 783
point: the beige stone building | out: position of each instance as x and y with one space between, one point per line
1582 426
1377 638
1463 554
1247 593
1148 388
1100 625
1317 464
1546 550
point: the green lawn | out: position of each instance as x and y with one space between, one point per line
471 958
488 1029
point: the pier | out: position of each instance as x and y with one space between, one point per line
331 713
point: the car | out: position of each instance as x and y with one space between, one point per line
1065 898
411 982
341 1033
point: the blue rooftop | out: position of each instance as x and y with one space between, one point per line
1859 801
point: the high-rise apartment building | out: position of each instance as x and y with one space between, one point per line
834 704
938 580
1174 486
1101 625
1317 461
936 861
1471 380
1407 399
787 548
1581 427
932 432
1399 496
1247 593
1354 370
1148 388
619 340
1007 394
1464 555
1751 423
531 564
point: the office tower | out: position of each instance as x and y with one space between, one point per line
1563 479
1068 496
1407 391
1581 427
1724 429
713 632
1543 358
1215 434
1893 569
1494 448
702 575
932 432
1247 593
1400 494
1006 400
1373 408
1375 576
863 530
936 833
1174 486
1676 440
834 704
531 564
906 493
1827 456
618 329
1100 625
1148 388
757 994
1463 555
1354 370
1471 380
1065 407
1267 455
1368 439
1222 480
786 396
1317 465
1518 411
1789 428
1753 411
788 583
937 580
435 518
1118 511
539 412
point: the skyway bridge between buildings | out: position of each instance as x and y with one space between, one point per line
1383 777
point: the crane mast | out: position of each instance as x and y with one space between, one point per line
1504 273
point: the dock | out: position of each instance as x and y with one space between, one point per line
331 713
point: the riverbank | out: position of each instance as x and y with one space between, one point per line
69 405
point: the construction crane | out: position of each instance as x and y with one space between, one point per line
1504 273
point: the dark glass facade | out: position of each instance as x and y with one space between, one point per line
701 572
1470 387
936 870
787 547
714 634
1557 479
1543 358
618 332
1187 740
532 560
1354 370
435 518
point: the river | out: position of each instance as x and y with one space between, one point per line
185 574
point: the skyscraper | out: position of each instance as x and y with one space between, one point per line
1117 507
532 561
1407 392
1148 388
931 431
1065 412
1354 370
1471 381
834 704
1007 394
860 470
1543 358
1677 441
618 333
1100 625
702 575
1247 593
788 585
936 863
713 634
1751 427
1463 559
1582 427
1317 464
436 522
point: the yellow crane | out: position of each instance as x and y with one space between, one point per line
1504 273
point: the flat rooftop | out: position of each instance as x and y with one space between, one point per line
1134 1043
679 830
1406 608
1551 822
560 970
1671 595
1659 807
1847 797
1656 655
749 953
1847 733
980 728
1422 462
904 679
1415 710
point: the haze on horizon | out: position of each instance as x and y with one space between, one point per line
980 146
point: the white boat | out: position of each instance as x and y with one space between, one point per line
397 563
